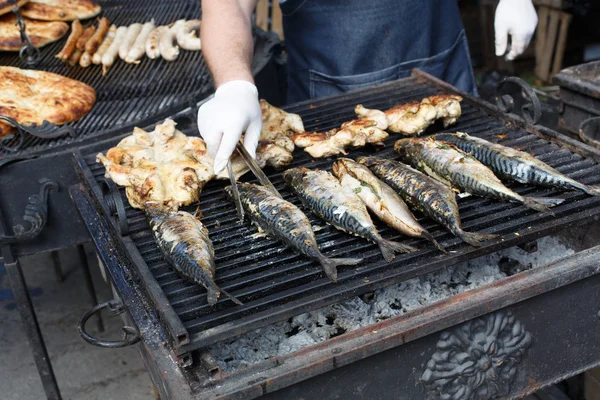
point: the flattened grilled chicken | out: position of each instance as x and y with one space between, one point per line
352 134
414 117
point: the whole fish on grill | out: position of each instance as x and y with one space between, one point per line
339 206
424 194
286 222
184 242
381 199
510 163
457 169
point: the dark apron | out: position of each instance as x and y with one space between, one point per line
339 45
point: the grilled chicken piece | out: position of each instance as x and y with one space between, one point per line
352 134
414 117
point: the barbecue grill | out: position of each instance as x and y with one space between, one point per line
276 284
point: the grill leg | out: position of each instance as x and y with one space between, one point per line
32 328
90 285
60 278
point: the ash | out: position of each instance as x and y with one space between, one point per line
317 326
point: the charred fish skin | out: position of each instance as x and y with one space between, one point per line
445 162
380 198
424 194
184 242
513 164
286 222
339 206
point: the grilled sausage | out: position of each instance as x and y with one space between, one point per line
85 60
139 46
153 42
75 57
76 32
109 57
83 39
168 42
132 33
108 39
188 35
92 45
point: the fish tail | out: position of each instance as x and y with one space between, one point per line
474 238
388 249
541 203
330 265
428 236
592 190
213 295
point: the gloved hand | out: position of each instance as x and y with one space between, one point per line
518 19
222 120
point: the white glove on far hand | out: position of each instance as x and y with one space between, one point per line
222 120
518 19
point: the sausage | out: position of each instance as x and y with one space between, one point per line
85 60
75 57
153 41
139 46
109 57
132 33
76 32
168 42
108 39
188 35
92 45
83 39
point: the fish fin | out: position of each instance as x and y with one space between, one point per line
592 190
474 238
541 203
330 265
389 248
428 236
214 292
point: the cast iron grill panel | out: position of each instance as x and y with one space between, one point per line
128 94
276 284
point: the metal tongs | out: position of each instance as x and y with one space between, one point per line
262 178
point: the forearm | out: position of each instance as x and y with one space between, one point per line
227 42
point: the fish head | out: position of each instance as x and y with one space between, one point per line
341 166
403 147
292 175
369 161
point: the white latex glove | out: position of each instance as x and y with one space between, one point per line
518 19
222 120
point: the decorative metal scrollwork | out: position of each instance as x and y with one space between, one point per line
114 203
130 333
29 53
36 213
478 360
532 110
14 142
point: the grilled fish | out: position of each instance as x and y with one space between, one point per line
286 222
185 244
424 194
457 169
513 164
339 206
381 199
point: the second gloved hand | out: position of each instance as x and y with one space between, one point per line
518 19
222 120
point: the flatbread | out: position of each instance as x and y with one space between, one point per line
41 33
61 10
30 96
6 6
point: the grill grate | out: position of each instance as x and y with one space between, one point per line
276 284
128 93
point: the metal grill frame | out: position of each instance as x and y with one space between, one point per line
184 343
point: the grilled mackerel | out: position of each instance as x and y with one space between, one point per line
381 199
424 194
286 222
457 169
185 244
339 206
513 164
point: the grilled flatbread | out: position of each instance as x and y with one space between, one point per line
7 5
41 33
61 10
30 96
